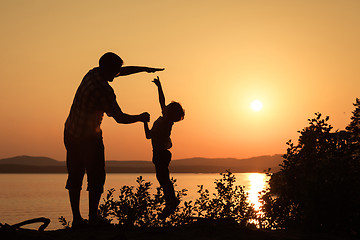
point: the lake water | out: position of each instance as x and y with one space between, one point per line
26 196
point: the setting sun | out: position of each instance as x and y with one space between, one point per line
256 105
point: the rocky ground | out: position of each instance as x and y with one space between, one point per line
190 232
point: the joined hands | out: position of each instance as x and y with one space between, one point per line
145 117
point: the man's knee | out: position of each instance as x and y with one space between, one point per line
75 180
96 181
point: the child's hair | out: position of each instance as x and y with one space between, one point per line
175 111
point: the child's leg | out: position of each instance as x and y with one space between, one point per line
163 176
162 160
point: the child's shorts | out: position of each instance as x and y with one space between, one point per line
161 157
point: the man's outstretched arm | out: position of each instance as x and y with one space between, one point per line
112 109
127 119
128 70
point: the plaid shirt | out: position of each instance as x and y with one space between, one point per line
93 97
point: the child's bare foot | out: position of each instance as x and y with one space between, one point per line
169 209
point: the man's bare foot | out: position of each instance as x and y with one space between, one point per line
80 224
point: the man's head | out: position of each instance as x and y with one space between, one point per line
174 112
110 65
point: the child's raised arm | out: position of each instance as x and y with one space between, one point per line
147 130
161 93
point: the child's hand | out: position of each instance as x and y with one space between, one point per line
145 117
157 81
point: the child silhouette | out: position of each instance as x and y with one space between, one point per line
161 143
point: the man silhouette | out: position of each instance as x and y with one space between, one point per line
83 135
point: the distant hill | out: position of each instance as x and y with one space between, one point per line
28 164
28 160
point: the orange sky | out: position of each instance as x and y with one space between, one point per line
298 57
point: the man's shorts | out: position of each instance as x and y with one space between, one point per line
85 155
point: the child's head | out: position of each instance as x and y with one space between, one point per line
174 112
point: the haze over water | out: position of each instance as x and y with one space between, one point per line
26 196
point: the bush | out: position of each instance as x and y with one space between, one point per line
318 186
229 201
136 207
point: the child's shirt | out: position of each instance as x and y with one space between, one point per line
160 134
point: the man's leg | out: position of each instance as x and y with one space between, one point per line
76 173
94 199
74 196
95 167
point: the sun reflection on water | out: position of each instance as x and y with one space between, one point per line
257 184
